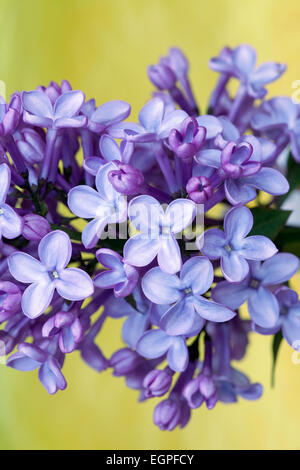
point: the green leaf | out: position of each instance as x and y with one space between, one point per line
288 240
268 221
275 349
293 177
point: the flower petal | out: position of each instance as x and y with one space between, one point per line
74 284
180 318
151 115
146 214
11 224
109 149
153 344
257 247
238 192
171 121
169 256
140 250
244 58
180 214
233 295
55 250
237 224
234 267
25 268
212 311
111 112
211 243
85 202
93 231
103 185
263 308
4 181
37 298
198 274
37 103
68 104
269 180
279 268
209 157
133 328
160 287
177 355
212 125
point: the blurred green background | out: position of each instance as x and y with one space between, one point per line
103 47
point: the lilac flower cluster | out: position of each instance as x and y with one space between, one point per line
67 264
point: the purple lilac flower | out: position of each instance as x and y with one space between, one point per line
239 164
42 357
10 300
233 246
49 274
156 343
104 206
120 276
110 151
31 145
289 317
39 111
67 326
257 288
187 141
157 229
188 308
279 118
199 189
240 63
154 123
11 223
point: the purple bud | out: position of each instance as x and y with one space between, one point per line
126 180
187 141
162 76
10 114
199 189
124 361
157 383
35 227
171 413
31 145
10 299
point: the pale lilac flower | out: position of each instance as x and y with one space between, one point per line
154 123
257 288
39 111
67 326
110 151
11 223
233 246
289 317
43 357
157 229
10 299
120 276
49 274
279 118
240 63
188 308
107 115
157 343
104 206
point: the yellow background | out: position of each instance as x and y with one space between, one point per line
104 47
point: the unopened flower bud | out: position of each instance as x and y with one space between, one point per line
187 141
157 383
162 76
126 180
35 227
199 189
124 361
